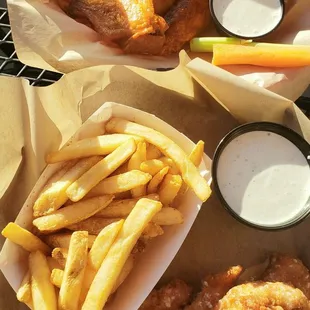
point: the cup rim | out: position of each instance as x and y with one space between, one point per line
281 130
231 34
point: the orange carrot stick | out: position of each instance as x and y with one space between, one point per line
264 56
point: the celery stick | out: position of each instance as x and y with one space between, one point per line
205 44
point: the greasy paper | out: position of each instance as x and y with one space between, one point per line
39 120
47 38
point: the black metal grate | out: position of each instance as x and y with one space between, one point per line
11 66
9 63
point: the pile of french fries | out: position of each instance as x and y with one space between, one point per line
111 196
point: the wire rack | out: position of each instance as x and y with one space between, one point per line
11 66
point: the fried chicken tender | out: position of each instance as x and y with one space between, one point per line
173 296
185 19
289 270
264 296
214 287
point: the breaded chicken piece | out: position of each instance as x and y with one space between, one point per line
289 270
173 296
264 296
214 288
185 19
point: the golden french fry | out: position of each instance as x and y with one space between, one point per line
169 162
124 273
72 214
121 183
74 272
52 263
24 238
102 244
100 145
24 292
196 157
60 255
123 195
152 152
57 277
112 265
78 189
169 188
190 173
152 230
168 216
153 166
156 180
134 164
97 254
42 290
54 196
62 240
197 153
122 208
93 225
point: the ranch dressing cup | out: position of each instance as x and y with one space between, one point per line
247 19
261 174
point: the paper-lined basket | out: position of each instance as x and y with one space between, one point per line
153 263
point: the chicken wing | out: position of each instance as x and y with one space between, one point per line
162 6
185 19
289 270
214 288
264 296
123 22
173 296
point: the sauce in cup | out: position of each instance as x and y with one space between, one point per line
247 19
264 178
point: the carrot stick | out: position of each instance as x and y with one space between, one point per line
261 55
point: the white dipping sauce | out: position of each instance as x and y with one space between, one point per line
264 178
248 18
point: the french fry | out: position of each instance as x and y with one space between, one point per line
62 240
57 277
60 255
156 180
169 188
24 238
121 183
24 292
189 172
52 263
74 272
197 153
168 216
42 290
100 145
121 169
112 265
152 152
122 208
54 196
195 156
153 166
93 225
134 164
152 230
124 273
78 189
169 162
97 254
72 214
102 244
